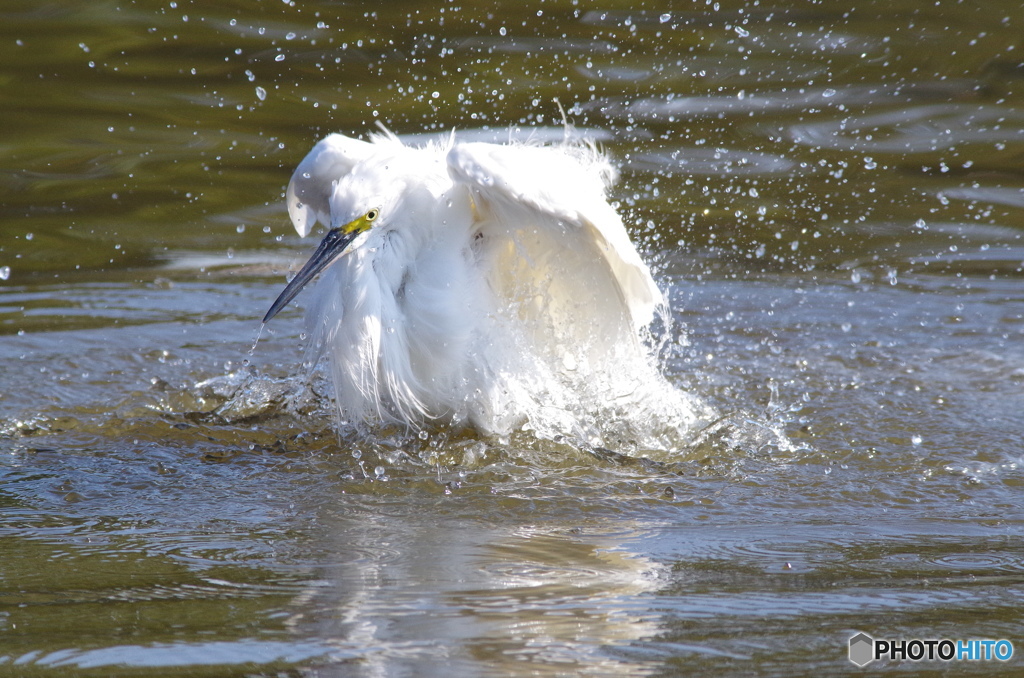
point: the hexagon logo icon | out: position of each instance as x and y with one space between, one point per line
862 649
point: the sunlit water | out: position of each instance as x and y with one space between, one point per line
832 196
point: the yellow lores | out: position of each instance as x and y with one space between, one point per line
332 247
363 223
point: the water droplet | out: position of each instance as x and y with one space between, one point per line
5 272
664 18
916 440
279 57
261 93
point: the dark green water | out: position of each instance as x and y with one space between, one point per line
832 193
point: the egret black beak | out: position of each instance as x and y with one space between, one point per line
330 248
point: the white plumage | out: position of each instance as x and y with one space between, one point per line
482 284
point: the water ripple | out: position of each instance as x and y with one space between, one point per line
844 601
711 162
995 195
920 129
529 46
165 655
705 69
680 107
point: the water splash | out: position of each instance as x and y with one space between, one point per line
255 343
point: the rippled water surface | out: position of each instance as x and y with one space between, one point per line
832 193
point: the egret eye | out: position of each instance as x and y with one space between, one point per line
372 214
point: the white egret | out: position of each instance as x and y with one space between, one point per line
475 283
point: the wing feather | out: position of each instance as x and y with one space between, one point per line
560 190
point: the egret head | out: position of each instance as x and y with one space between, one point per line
330 248
353 186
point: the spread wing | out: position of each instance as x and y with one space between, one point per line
547 209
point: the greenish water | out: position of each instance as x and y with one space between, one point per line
833 197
